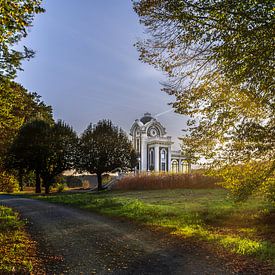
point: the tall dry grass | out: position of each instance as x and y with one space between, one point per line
165 181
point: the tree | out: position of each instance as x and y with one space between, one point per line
29 150
219 59
62 153
17 107
46 149
16 19
196 41
103 148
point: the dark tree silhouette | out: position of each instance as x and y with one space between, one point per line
46 149
30 149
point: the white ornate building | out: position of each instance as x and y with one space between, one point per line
154 147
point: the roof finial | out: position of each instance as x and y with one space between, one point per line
147 114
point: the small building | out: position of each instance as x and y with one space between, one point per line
154 147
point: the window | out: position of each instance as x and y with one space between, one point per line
163 159
184 166
151 159
137 145
175 166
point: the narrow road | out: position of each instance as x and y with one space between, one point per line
81 242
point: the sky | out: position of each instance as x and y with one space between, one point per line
87 68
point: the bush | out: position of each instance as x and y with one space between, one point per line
8 183
268 188
86 184
106 178
247 179
60 187
166 181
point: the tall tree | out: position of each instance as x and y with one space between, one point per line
46 149
30 149
15 20
62 148
103 148
219 59
17 106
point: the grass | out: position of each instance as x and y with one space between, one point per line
205 214
15 246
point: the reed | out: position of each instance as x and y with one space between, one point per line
144 181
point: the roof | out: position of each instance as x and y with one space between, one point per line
146 118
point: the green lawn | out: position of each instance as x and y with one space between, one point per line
15 246
206 214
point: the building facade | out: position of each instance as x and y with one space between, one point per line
154 147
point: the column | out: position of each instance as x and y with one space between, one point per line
156 158
189 167
169 159
143 154
180 166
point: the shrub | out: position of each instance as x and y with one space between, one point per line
268 188
166 181
247 179
86 184
106 178
8 183
60 187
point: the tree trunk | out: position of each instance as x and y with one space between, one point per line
20 179
99 182
37 183
47 188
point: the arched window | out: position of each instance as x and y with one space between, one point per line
184 166
151 159
137 145
163 159
175 166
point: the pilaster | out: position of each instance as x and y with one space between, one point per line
169 159
156 158
143 153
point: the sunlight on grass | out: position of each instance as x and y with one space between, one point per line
14 244
204 214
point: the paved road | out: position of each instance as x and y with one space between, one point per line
81 242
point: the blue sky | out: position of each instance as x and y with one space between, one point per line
87 68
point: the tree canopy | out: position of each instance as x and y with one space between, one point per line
103 148
62 148
17 107
219 59
29 150
15 20
47 149
196 41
